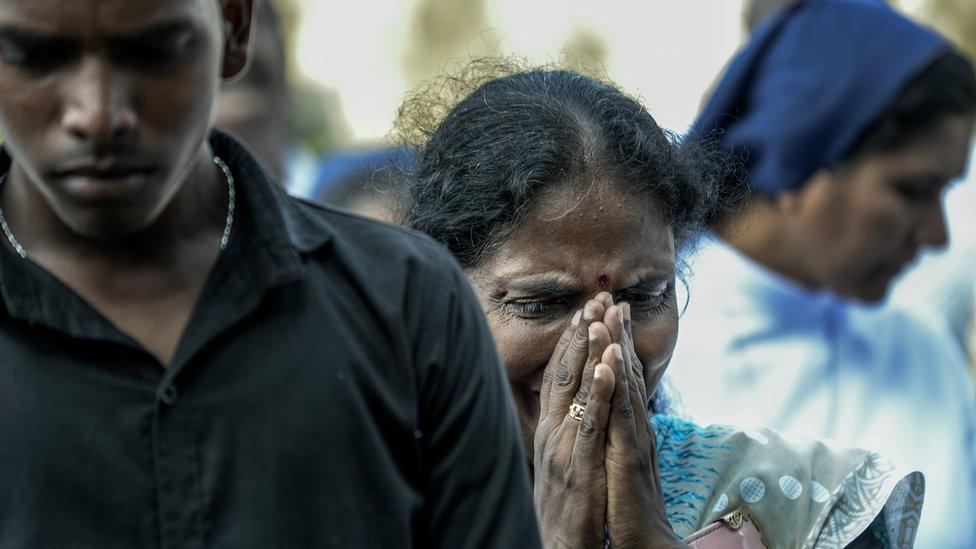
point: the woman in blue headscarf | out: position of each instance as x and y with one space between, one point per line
848 120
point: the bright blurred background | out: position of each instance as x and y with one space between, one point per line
354 61
349 65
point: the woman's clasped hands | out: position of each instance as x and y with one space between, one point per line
595 470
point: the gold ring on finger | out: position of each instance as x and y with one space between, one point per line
576 411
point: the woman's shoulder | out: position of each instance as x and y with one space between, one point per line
802 493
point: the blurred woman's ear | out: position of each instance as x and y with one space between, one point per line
790 203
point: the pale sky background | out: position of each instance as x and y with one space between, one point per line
667 52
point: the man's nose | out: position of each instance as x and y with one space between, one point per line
98 107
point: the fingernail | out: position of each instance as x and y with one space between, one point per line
576 317
620 314
597 374
593 332
627 311
618 353
588 313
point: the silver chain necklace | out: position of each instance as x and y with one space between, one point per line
224 237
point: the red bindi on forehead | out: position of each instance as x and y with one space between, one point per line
603 281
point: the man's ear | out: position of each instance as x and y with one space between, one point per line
238 18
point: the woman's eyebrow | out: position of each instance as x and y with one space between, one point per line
651 280
539 287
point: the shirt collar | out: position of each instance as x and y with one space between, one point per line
275 219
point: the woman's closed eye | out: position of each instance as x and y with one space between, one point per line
538 307
647 298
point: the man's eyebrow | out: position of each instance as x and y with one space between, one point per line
158 32
25 37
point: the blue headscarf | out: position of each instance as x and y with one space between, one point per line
809 83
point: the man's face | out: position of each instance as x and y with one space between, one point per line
105 104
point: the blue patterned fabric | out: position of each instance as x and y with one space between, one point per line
686 454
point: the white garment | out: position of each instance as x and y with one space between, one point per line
757 350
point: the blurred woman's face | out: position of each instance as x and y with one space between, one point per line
575 243
861 225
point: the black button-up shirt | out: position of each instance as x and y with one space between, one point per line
336 386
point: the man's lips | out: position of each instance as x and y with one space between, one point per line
103 180
104 170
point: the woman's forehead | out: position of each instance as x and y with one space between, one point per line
593 219
604 239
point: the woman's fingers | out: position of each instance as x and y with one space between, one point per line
565 381
617 319
598 342
628 335
599 339
614 319
605 299
557 355
628 322
591 436
622 432
638 385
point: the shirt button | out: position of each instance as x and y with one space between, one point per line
170 395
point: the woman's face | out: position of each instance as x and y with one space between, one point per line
860 226
574 244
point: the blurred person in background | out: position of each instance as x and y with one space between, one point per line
370 182
189 357
261 107
849 121
254 107
565 203
941 284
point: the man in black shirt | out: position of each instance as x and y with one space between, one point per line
191 358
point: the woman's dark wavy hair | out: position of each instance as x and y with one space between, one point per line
491 154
